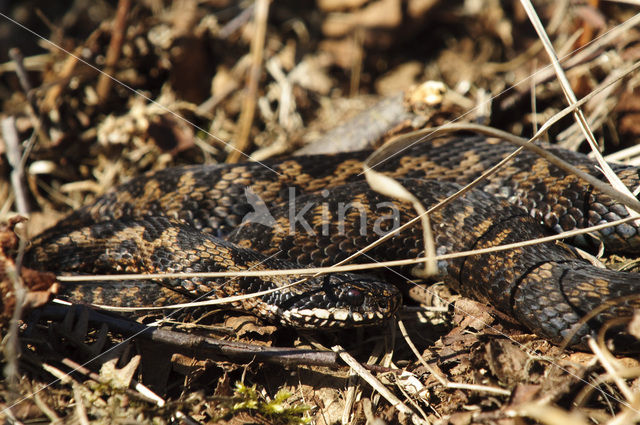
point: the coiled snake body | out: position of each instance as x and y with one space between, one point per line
321 212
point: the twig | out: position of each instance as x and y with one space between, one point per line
30 63
353 392
115 46
249 105
605 361
204 346
546 414
14 156
356 61
49 412
40 125
373 381
234 24
11 346
571 99
443 380
23 78
52 96
81 411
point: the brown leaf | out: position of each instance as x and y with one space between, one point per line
243 325
472 314
40 285
507 361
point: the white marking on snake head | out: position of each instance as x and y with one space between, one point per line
322 314
341 314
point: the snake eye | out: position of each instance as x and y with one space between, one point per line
354 297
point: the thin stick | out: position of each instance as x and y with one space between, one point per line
23 78
611 370
235 24
48 411
203 346
115 46
14 155
443 380
249 105
373 381
41 126
81 411
571 99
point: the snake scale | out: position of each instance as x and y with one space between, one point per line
190 218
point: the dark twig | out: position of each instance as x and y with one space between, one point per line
204 346
236 23
23 78
115 46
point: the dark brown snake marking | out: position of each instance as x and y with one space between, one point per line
165 222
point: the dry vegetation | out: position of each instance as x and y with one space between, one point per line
102 91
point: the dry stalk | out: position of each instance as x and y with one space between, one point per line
375 383
572 99
607 364
442 379
115 46
249 105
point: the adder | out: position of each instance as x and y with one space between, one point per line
190 219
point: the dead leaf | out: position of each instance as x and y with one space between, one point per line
243 325
507 361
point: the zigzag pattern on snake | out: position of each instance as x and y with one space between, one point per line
171 220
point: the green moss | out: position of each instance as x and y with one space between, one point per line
278 410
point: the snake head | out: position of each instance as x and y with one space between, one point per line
342 300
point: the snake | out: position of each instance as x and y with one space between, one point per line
319 211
